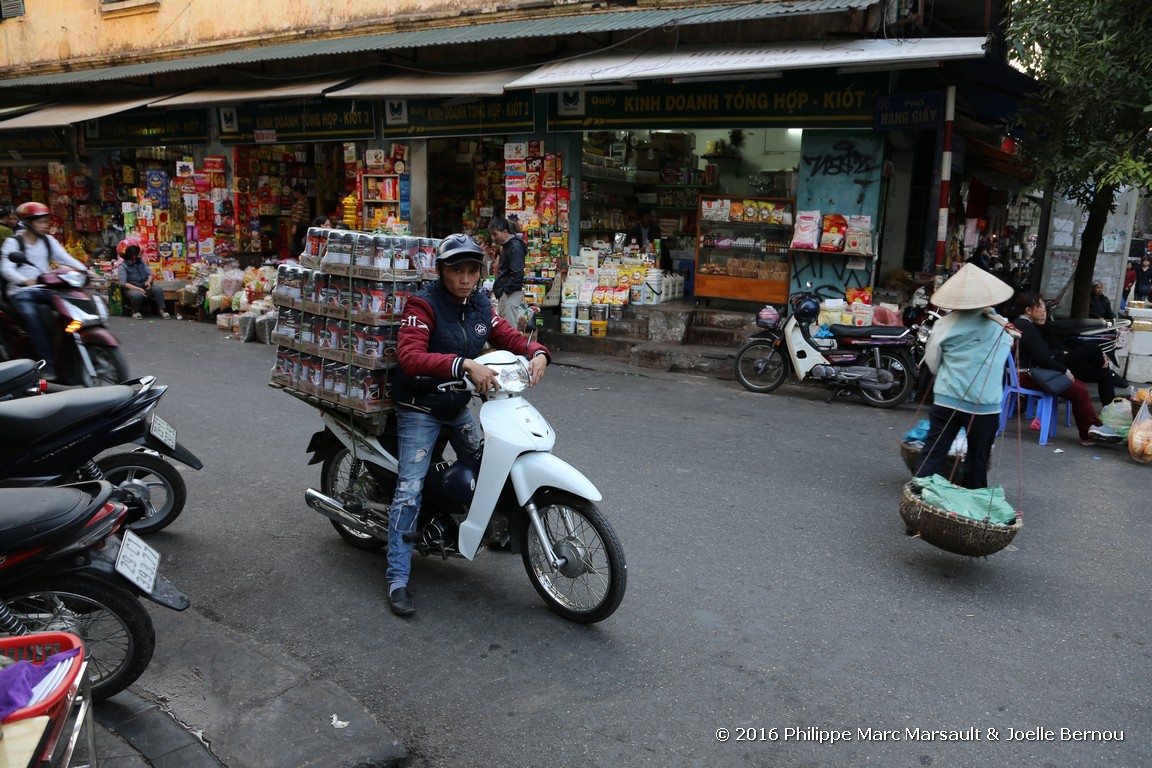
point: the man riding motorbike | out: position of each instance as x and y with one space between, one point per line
34 250
445 326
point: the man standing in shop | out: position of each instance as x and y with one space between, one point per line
300 218
508 288
646 232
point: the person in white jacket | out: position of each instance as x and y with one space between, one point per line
23 258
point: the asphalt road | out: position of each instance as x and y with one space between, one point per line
772 592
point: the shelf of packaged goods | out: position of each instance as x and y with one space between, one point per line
376 200
682 186
682 208
732 250
593 175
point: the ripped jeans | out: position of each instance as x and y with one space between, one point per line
417 436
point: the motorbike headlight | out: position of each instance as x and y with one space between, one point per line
513 377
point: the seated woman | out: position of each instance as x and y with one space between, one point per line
1098 304
137 285
1040 349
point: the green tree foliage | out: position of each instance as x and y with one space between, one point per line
1087 130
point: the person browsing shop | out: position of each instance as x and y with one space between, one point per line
23 258
1046 366
508 287
646 232
446 325
967 352
138 284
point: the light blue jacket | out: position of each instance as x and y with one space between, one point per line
967 351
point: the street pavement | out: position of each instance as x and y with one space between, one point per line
776 613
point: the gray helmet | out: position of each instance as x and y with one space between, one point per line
456 249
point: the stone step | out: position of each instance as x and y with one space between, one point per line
718 318
717 337
612 346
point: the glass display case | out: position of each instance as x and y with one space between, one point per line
742 248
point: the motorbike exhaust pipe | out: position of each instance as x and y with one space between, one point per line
334 510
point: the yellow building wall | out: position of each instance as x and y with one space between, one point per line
62 34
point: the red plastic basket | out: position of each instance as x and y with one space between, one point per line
36 648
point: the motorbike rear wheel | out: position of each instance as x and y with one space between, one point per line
590 585
336 479
109 364
159 481
760 366
117 631
903 377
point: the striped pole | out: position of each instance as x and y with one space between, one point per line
945 179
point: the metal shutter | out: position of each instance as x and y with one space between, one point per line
10 9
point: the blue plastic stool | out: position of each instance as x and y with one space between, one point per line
1040 405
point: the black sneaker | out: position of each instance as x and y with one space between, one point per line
401 602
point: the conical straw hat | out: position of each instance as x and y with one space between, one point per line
972 288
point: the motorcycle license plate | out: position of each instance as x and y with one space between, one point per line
138 562
164 432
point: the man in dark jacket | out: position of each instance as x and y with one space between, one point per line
445 326
137 284
508 287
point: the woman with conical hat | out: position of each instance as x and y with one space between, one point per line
967 352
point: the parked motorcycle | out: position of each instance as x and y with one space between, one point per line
874 360
55 439
516 492
87 353
67 564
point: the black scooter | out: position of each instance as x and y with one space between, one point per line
55 439
21 378
66 565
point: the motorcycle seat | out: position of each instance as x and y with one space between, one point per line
16 371
868 331
29 420
30 517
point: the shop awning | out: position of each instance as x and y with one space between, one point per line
468 29
723 62
416 85
232 95
69 114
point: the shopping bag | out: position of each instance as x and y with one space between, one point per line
1117 415
1140 436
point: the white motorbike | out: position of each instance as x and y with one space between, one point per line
515 493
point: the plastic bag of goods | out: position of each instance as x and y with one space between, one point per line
832 232
807 231
858 240
1140 436
265 324
1117 415
248 326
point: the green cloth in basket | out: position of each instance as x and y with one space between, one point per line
984 505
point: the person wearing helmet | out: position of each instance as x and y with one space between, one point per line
23 258
445 326
508 287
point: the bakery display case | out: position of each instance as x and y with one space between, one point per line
742 248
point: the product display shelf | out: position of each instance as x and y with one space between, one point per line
372 422
741 257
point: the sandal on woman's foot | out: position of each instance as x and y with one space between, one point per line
1035 425
137 316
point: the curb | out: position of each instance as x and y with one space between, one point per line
154 733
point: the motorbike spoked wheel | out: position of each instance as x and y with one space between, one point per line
336 479
590 585
156 479
117 631
108 362
760 365
903 378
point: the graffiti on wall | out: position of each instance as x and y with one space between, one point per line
843 158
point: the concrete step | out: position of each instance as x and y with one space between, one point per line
718 318
692 358
717 337
611 346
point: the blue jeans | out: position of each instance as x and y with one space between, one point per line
26 303
417 436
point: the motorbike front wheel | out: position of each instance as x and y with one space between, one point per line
109 364
760 365
338 478
590 584
903 381
116 629
158 481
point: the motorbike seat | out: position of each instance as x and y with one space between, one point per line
14 372
868 331
30 517
29 420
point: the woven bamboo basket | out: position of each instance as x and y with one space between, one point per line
953 465
951 532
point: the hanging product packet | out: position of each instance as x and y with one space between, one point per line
832 233
858 241
1140 436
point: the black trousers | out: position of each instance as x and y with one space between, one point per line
943 426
